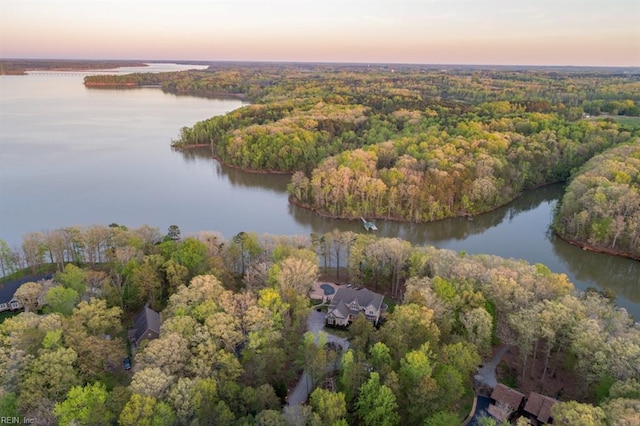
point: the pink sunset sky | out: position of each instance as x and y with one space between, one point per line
501 32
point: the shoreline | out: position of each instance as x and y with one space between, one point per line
595 249
133 84
111 85
292 200
231 166
468 216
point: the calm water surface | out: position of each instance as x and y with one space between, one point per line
71 155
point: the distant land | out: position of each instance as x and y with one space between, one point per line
21 66
10 66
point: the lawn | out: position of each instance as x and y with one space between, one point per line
8 314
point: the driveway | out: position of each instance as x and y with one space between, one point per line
487 373
315 323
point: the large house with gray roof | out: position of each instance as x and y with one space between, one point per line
347 303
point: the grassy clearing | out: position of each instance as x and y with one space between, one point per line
629 123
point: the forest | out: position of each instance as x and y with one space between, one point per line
408 143
601 206
233 338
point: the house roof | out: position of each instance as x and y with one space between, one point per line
340 310
345 296
8 288
507 396
147 320
540 406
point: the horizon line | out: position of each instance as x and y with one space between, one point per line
310 62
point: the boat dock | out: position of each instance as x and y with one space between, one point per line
369 226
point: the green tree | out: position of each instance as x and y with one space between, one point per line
49 376
61 299
181 398
209 408
487 421
573 413
463 356
270 418
450 385
142 410
418 388
146 279
376 404
192 254
73 277
95 318
352 376
176 274
629 388
380 358
86 331
442 418
361 333
9 404
85 406
117 399
408 328
330 406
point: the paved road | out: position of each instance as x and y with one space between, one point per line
487 373
315 323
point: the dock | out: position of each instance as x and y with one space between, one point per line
369 226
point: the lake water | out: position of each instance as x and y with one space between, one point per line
71 155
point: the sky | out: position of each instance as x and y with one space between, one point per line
500 32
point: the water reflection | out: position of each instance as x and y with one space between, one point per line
237 178
616 274
443 231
